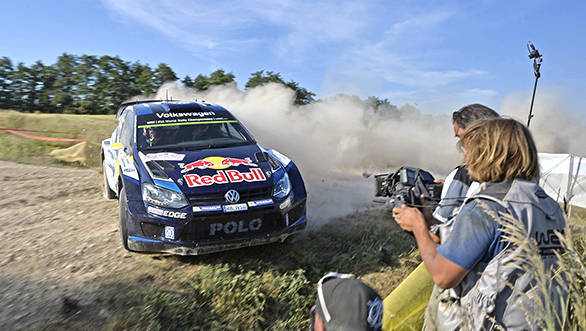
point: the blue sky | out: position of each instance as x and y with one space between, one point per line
437 55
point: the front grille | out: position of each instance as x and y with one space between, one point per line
231 227
218 198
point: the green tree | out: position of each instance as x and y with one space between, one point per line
65 86
302 95
27 85
114 83
6 91
46 94
187 81
377 102
218 77
20 86
260 78
383 107
86 78
121 83
163 73
143 79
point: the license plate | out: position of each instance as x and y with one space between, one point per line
236 207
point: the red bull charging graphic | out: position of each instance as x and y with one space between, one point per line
216 162
224 177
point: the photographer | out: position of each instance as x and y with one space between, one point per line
345 303
458 182
486 291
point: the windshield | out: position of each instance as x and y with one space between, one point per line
191 135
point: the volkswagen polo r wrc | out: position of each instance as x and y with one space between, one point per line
191 180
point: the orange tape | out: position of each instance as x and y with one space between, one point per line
17 132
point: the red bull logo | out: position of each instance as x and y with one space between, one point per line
224 177
216 162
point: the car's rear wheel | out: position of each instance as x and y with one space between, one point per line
108 193
123 218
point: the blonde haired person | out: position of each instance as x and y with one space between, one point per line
481 290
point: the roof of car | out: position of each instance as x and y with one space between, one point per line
145 107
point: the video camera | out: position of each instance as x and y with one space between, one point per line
406 186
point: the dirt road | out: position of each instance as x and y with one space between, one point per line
59 239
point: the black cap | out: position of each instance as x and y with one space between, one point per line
345 303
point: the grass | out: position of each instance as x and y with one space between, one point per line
258 288
93 128
578 216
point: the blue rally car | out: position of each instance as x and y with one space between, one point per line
192 180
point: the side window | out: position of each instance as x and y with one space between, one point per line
127 128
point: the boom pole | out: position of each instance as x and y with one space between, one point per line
534 54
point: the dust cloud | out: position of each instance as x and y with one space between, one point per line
339 134
334 141
554 128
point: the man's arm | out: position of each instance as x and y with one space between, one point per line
445 273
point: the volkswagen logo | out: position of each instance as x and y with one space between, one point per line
232 196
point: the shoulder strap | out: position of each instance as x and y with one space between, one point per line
485 197
462 175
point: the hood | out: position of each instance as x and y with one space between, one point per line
212 170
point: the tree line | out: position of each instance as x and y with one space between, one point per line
88 84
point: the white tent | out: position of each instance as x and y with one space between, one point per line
563 176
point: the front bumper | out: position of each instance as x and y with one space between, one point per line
209 232
141 244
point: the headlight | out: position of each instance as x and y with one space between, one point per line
163 197
282 188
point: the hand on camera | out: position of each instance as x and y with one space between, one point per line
408 218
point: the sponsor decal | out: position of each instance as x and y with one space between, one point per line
235 227
184 121
216 162
164 157
170 232
224 177
127 167
203 209
260 202
548 242
166 213
549 237
191 114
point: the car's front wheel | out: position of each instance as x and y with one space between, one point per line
123 218
108 193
